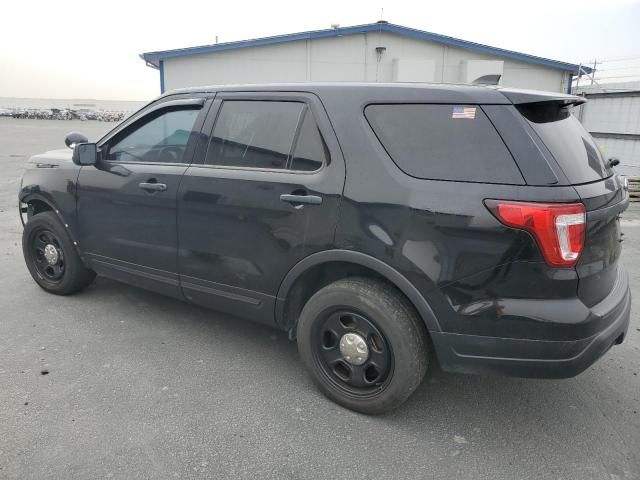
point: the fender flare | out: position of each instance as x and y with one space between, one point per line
29 196
358 258
26 198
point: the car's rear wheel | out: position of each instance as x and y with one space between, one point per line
52 258
363 343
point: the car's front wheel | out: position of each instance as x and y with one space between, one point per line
51 257
363 343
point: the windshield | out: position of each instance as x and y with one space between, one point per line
567 140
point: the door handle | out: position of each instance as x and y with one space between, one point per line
153 187
301 199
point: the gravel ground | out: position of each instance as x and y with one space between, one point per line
142 386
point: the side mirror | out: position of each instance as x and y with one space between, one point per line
85 154
614 161
74 138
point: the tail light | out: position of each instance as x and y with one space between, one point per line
558 228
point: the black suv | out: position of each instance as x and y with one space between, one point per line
383 226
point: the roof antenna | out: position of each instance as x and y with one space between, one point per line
381 21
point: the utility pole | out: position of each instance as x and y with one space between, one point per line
591 76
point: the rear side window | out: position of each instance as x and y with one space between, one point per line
570 144
311 152
254 134
443 142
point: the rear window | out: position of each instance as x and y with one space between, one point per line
443 142
571 145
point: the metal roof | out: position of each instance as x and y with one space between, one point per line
154 58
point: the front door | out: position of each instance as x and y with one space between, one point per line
266 196
127 202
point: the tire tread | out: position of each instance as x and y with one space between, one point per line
76 277
378 296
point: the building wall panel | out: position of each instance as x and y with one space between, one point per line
337 59
274 63
615 114
612 115
628 151
349 58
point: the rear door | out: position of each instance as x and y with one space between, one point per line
265 196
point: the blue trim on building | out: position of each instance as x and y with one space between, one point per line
155 58
161 69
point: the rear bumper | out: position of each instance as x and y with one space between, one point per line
534 357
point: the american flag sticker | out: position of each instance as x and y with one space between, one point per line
464 112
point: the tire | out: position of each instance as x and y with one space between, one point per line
389 325
68 275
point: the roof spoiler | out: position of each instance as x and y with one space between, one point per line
532 96
493 79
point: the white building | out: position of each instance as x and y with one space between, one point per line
378 52
612 116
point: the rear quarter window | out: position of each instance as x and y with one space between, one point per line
570 144
443 142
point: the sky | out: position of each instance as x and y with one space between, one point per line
89 49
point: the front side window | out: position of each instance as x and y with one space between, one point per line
255 134
160 139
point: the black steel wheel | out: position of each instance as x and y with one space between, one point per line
352 352
363 343
48 254
51 257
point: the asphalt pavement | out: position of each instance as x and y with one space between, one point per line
117 382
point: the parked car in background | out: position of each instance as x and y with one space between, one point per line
385 227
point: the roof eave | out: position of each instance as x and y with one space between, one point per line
154 58
150 61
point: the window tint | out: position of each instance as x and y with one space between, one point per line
257 134
311 151
567 140
162 138
443 142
